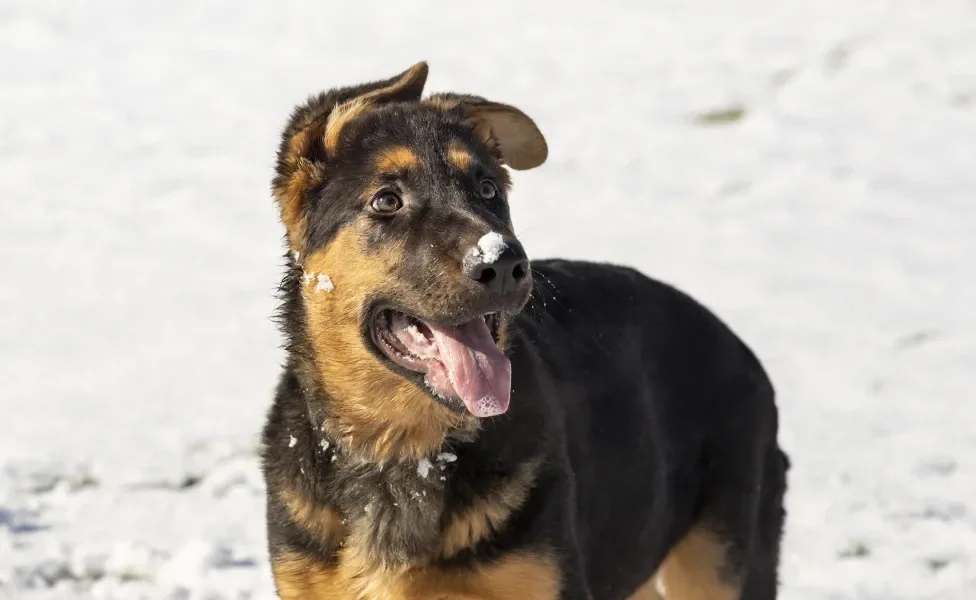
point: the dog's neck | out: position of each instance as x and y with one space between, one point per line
360 446
389 511
396 513
343 448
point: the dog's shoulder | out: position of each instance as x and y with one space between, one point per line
586 298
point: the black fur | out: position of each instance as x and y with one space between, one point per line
646 414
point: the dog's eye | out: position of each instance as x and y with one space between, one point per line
386 202
488 189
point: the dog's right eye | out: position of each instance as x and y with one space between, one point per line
386 202
488 189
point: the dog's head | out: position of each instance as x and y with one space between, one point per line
396 208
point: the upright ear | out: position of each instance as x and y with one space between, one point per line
313 133
516 136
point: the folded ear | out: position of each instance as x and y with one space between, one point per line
314 131
516 136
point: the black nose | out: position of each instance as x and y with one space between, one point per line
501 269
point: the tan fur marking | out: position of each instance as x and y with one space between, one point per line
504 129
458 156
397 160
648 591
482 128
692 570
321 521
521 575
348 112
341 116
374 410
304 175
488 513
441 103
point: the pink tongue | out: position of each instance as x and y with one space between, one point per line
473 366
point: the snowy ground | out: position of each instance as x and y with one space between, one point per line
804 168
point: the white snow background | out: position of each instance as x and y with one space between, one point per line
805 168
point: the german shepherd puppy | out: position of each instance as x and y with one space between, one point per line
455 422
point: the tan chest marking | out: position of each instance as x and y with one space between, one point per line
323 523
488 513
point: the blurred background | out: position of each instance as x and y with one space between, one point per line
805 169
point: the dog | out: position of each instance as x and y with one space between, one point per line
456 422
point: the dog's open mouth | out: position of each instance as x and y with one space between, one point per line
460 361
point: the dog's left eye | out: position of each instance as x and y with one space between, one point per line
488 189
386 202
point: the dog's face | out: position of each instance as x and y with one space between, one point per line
397 209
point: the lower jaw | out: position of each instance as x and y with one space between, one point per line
422 370
452 403
445 396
